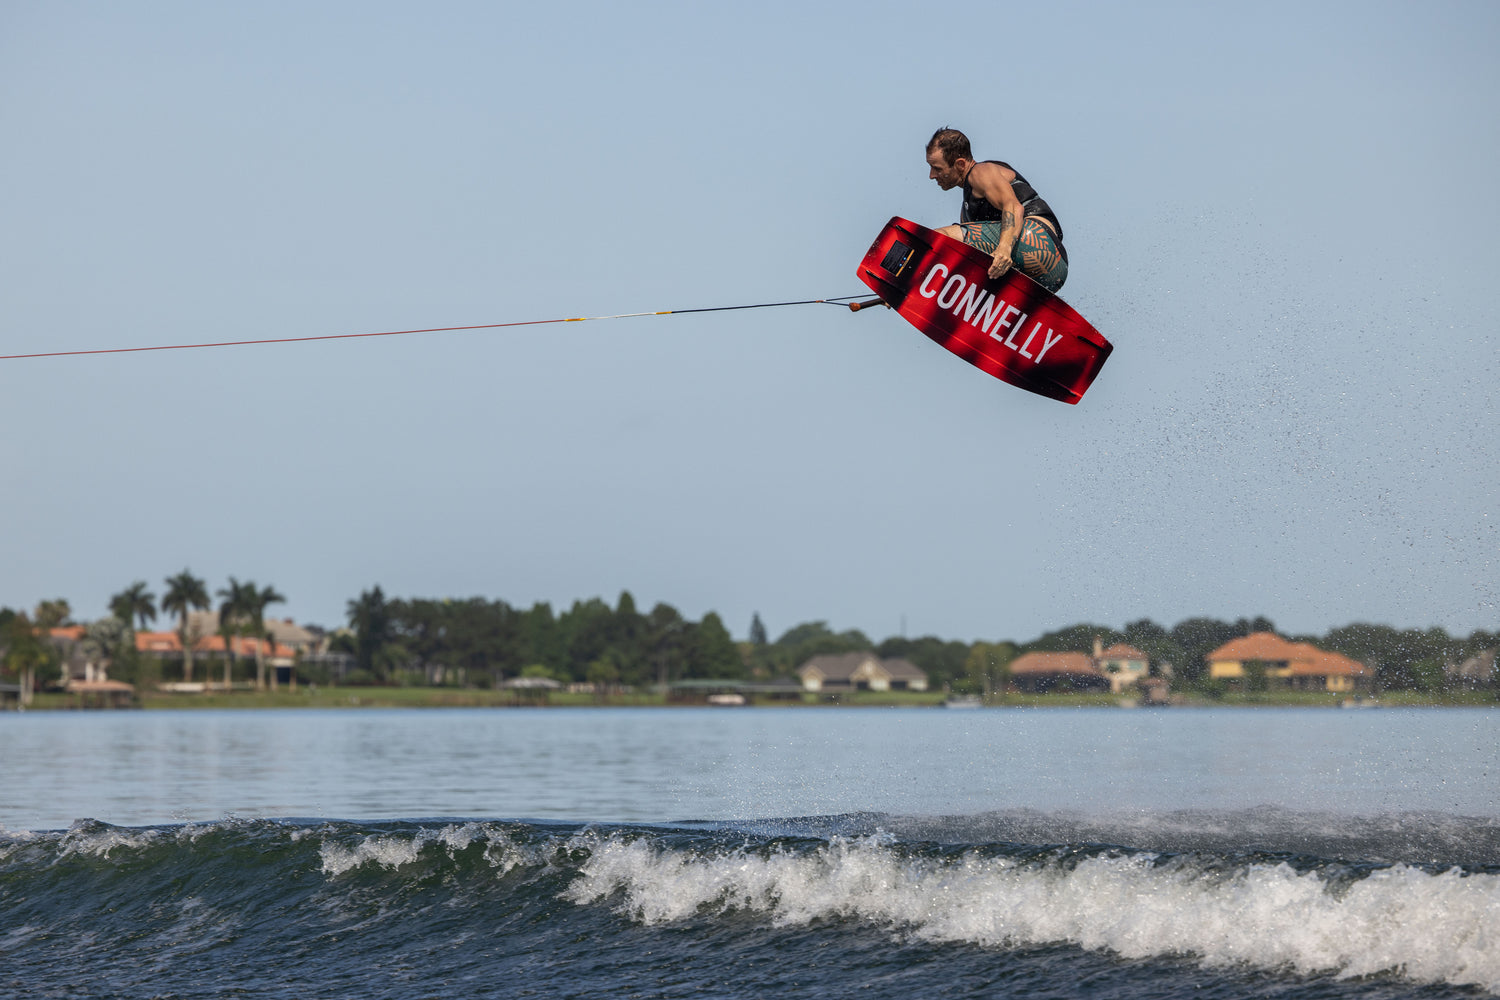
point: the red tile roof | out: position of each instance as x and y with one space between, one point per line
1325 663
157 642
1303 658
1054 663
1258 646
169 642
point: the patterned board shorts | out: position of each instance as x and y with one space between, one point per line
1035 253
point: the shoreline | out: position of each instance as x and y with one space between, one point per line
415 697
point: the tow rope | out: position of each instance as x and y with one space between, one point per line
840 300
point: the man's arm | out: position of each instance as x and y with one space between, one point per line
992 183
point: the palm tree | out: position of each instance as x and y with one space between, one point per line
370 617
233 610
134 603
184 593
256 600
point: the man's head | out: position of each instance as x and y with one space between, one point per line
948 157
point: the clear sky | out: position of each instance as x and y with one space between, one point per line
1282 215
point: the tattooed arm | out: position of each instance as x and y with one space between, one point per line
992 183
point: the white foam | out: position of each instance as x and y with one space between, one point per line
394 850
1426 927
12 841
98 840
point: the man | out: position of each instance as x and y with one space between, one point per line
1001 215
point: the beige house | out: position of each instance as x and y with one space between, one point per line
860 672
1298 665
1123 665
285 632
1476 672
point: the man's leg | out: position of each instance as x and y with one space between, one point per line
1037 255
979 235
1035 252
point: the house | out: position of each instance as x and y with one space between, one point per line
1123 665
84 666
1039 672
168 645
163 645
208 650
301 641
78 660
1477 671
1297 665
243 647
860 672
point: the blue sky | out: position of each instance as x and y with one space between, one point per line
1282 216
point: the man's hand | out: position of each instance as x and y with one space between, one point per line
1000 264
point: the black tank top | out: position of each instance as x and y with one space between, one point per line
977 209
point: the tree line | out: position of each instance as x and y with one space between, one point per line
478 641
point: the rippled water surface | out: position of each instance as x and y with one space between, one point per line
657 765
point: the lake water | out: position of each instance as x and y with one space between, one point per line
880 852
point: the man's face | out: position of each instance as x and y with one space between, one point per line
948 175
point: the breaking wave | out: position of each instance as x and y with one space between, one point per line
109 909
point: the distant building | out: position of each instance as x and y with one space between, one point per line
1123 665
301 641
289 641
1042 672
163 645
283 632
860 672
1297 665
168 646
1478 671
79 661
85 669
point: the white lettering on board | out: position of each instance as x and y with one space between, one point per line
954 284
969 302
1010 340
1051 339
979 308
990 312
922 289
1005 319
1029 337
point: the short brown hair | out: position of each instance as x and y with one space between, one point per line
953 144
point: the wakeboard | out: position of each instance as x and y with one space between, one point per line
1010 327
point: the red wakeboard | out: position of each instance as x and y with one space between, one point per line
1012 328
